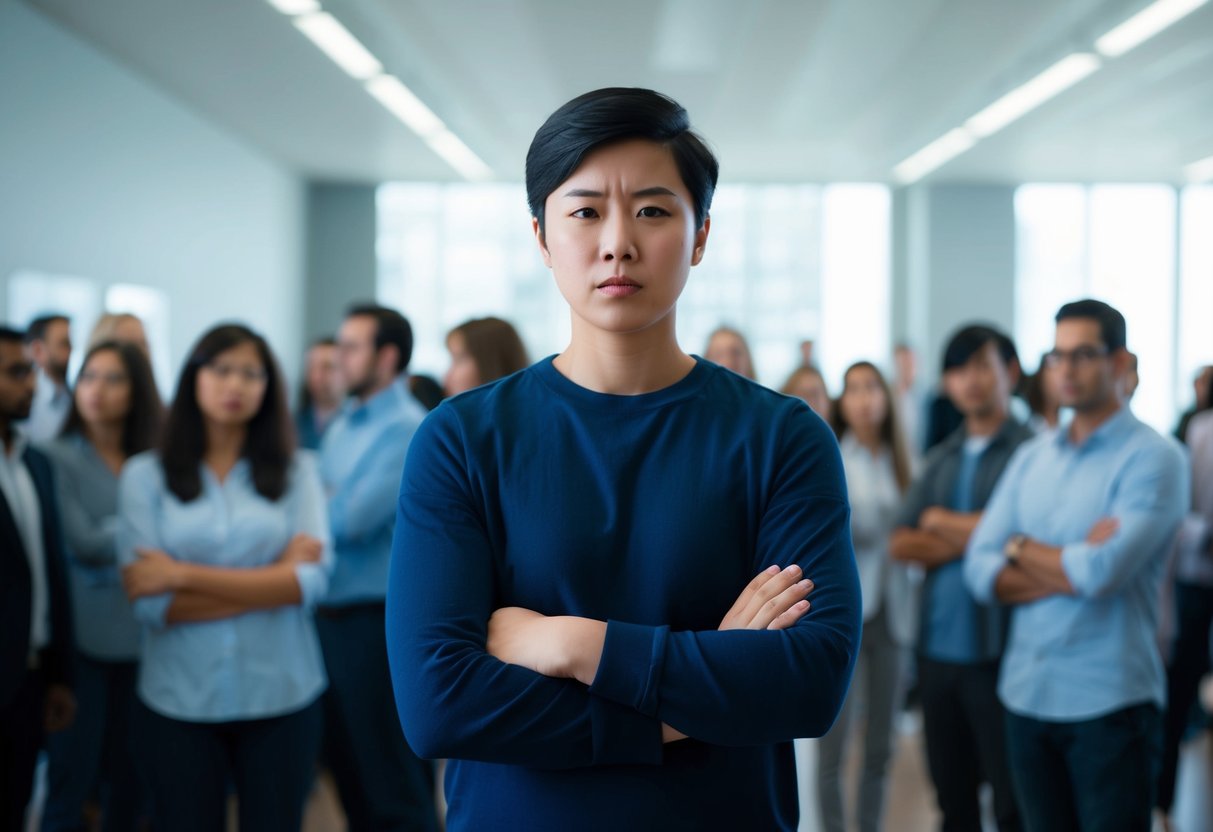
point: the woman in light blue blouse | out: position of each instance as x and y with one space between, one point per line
224 541
877 465
115 414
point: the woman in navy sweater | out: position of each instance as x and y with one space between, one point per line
573 613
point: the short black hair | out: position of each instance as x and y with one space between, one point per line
390 328
615 114
970 339
38 327
7 333
1111 322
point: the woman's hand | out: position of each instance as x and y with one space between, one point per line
774 600
560 646
302 549
153 574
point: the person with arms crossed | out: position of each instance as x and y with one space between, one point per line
1076 538
382 783
597 606
960 641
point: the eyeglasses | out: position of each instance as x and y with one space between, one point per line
1079 356
108 379
251 375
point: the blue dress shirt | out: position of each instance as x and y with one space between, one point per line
361 459
1085 655
252 666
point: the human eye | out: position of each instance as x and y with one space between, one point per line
584 214
652 212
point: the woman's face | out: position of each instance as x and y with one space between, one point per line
863 402
463 374
103 389
231 387
812 390
729 351
620 238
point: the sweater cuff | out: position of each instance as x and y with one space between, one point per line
633 656
623 736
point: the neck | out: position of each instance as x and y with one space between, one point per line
379 387
104 436
1088 420
868 436
225 442
57 379
985 424
624 364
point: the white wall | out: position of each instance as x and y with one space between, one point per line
104 176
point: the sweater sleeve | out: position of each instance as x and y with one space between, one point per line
753 687
453 698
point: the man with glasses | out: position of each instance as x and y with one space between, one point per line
383 785
35 627
1075 539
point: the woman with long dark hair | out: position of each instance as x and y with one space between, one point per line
225 543
115 414
877 464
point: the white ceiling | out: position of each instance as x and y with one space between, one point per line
785 90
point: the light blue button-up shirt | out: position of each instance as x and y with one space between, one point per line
361 459
1081 656
251 666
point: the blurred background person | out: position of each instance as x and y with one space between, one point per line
1202 400
120 326
35 619
115 414
381 782
426 389
912 400
320 394
224 543
1043 392
877 465
49 340
807 384
728 348
482 350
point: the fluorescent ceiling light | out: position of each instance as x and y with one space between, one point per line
335 40
404 105
295 7
1201 171
1144 25
459 156
1023 99
942 150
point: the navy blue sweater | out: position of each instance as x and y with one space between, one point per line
650 512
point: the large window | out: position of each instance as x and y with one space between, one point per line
1118 243
785 263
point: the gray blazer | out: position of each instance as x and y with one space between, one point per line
935 486
105 625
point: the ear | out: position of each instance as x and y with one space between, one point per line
543 246
1014 373
385 361
701 241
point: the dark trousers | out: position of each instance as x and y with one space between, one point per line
1189 662
1095 775
189 765
21 732
963 724
96 749
382 783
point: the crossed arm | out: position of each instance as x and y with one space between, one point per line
940 537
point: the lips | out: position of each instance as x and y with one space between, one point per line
618 286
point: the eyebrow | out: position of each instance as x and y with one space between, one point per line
657 190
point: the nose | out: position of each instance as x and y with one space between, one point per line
617 242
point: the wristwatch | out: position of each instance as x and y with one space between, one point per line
1013 548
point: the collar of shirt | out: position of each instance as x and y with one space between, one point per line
16 449
1116 424
386 400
